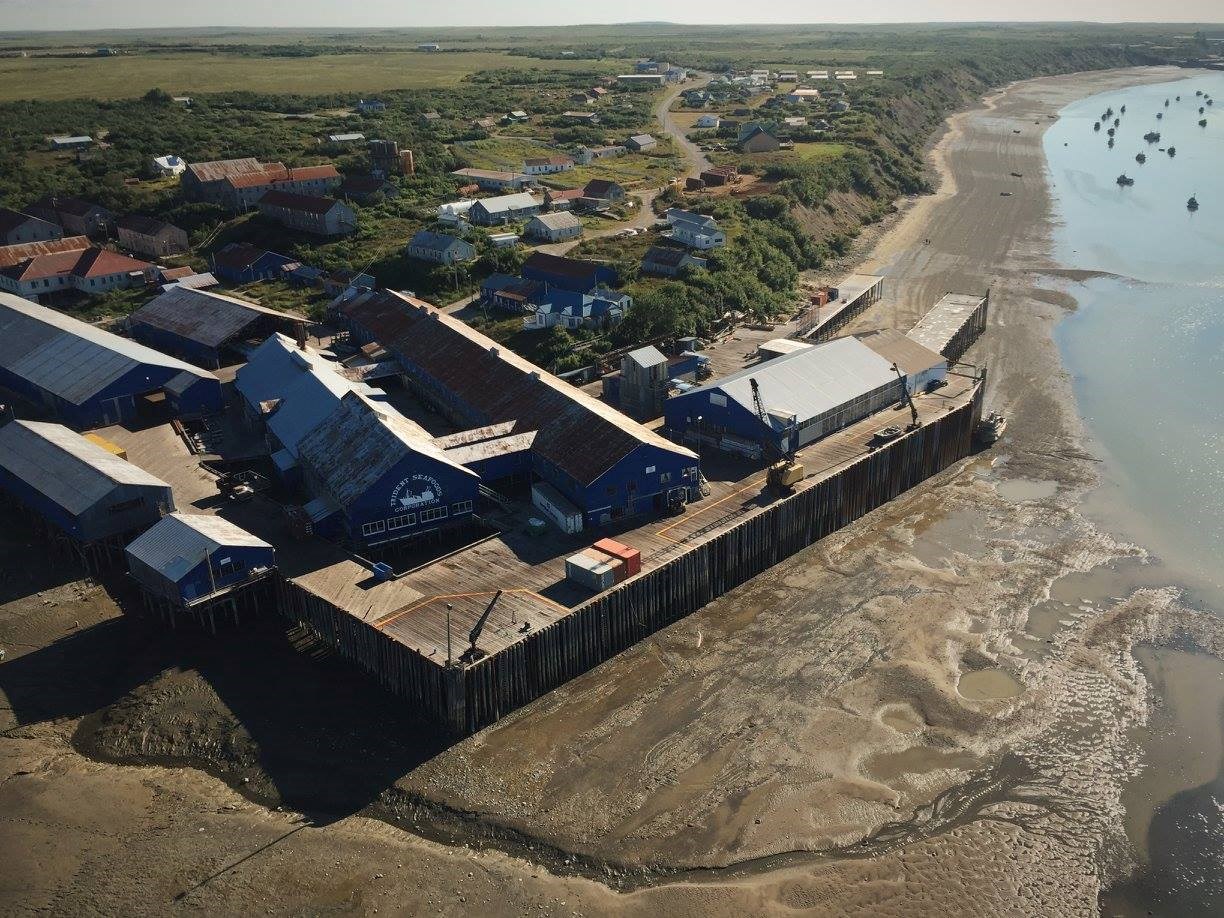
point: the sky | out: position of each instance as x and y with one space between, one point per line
18 15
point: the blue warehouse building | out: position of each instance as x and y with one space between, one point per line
606 464
186 559
79 491
87 377
199 325
807 394
383 475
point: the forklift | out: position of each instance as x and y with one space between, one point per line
784 470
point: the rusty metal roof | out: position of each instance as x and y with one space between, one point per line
360 442
225 168
15 254
577 433
202 316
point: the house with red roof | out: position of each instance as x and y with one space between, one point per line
238 184
89 270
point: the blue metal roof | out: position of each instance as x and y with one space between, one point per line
67 357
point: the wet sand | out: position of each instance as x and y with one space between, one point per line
799 745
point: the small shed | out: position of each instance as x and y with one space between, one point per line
191 559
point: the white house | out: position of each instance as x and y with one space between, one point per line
697 231
708 121
554 227
641 142
167 166
371 106
803 96
547 165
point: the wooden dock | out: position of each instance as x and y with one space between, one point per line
410 632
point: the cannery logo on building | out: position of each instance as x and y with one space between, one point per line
416 491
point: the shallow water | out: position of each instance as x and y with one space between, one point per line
1145 348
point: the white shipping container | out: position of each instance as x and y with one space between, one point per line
589 572
552 503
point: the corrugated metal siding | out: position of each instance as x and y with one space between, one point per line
68 469
179 541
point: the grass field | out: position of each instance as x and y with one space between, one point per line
50 78
508 153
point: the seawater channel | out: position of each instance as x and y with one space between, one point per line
1145 347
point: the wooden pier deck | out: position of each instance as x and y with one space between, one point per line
412 609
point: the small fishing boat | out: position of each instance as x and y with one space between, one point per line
1192 204
1141 158
1201 109
1209 102
1172 151
1125 180
1198 92
1177 98
1110 132
1117 121
1152 136
1122 110
1159 115
1111 143
1202 122
1097 126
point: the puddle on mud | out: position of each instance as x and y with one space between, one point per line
988 685
1021 489
917 760
952 533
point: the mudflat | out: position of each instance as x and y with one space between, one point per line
907 718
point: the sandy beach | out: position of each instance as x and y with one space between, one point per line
917 715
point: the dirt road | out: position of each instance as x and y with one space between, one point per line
644 216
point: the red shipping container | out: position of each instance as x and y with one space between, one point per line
613 549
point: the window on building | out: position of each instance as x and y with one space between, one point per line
400 522
125 505
369 529
463 506
226 566
717 398
664 477
437 513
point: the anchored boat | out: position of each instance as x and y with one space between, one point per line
1152 136
1192 204
1141 158
1202 122
1172 151
1125 180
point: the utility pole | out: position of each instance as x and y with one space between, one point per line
448 634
